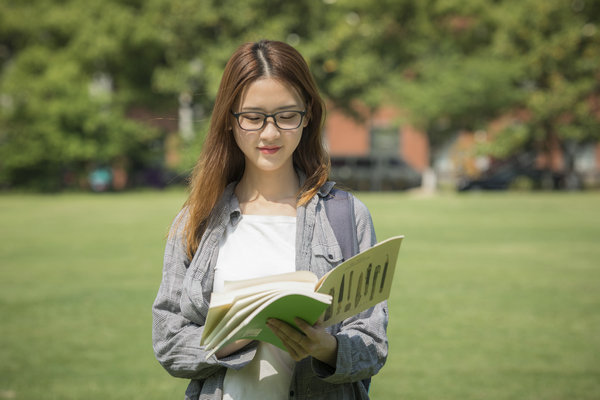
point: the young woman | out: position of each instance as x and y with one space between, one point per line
256 207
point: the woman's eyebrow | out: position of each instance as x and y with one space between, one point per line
294 107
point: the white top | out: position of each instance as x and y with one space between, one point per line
258 246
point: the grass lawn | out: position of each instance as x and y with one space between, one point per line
497 296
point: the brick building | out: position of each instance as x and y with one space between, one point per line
377 152
374 152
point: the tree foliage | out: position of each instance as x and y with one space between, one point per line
474 61
71 70
66 83
68 80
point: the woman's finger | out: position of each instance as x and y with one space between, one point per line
290 337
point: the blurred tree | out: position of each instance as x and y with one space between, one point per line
557 47
65 84
448 78
68 81
471 61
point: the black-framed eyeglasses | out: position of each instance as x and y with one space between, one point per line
256 120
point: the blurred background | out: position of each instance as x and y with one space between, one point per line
470 94
496 295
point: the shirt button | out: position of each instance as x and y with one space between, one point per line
330 256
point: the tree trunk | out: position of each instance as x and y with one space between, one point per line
572 180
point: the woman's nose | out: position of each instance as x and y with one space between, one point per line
270 130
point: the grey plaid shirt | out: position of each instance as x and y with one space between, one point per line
181 306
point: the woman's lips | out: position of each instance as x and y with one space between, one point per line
269 149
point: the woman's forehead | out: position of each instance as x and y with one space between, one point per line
269 93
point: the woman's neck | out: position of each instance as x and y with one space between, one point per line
268 192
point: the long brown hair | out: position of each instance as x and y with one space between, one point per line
222 162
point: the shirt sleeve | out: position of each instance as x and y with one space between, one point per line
362 339
176 339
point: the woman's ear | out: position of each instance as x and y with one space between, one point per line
306 118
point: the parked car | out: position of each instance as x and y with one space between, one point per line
374 173
513 176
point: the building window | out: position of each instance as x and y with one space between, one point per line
385 141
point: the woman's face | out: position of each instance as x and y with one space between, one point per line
271 148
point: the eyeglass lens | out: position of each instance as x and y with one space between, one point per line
284 120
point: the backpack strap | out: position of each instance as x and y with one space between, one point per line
339 207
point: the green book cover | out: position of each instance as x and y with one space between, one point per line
284 307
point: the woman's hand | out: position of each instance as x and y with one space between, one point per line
313 341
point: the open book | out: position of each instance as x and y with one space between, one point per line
241 310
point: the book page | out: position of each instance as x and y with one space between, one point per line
296 276
360 282
284 306
248 290
228 296
220 315
231 320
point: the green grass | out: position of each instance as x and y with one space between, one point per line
497 296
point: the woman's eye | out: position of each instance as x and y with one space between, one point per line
253 117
